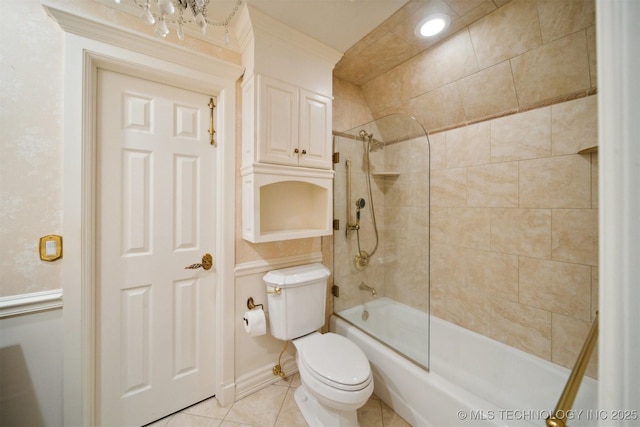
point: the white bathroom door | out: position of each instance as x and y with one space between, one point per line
156 214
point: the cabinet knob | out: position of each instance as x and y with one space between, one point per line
304 152
295 151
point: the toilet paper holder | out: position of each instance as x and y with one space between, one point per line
251 305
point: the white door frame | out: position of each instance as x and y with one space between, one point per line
90 45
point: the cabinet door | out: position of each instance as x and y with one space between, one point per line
277 122
315 130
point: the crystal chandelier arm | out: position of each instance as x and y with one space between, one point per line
164 12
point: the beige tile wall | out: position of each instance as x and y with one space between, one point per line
522 55
513 206
515 232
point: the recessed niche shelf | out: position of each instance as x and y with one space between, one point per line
283 203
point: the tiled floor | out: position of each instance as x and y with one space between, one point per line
272 406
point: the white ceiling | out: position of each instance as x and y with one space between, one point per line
337 23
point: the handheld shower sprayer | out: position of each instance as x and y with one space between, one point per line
359 205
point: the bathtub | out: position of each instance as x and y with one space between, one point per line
472 380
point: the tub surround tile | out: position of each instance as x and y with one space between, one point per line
556 182
558 287
449 187
574 236
437 108
594 180
493 273
568 336
521 136
468 146
493 185
521 232
594 291
573 127
593 56
551 70
561 18
488 92
442 65
506 33
438 151
521 326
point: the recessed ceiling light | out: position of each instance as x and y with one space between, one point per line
432 25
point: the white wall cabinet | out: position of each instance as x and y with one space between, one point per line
287 169
293 125
287 176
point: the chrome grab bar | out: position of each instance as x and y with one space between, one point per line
559 416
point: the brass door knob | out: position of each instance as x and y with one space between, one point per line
207 263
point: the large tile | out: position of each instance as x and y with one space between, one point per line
438 108
561 18
438 150
449 187
469 145
260 408
593 55
493 273
443 64
494 185
488 92
371 413
521 232
574 125
290 415
558 287
521 136
552 70
574 235
506 33
556 182
568 337
522 327
188 420
390 418
208 408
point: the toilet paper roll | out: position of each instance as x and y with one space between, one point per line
255 322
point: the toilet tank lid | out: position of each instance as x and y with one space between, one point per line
295 276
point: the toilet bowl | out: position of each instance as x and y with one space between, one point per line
335 373
336 379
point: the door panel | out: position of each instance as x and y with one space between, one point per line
156 215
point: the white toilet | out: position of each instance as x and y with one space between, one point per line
335 373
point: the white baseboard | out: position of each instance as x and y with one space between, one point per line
262 377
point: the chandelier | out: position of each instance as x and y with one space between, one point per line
180 13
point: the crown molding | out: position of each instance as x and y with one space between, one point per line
253 24
88 26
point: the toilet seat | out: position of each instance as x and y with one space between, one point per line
335 361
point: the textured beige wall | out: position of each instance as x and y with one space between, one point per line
31 141
514 215
31 73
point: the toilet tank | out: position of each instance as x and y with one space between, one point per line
299 308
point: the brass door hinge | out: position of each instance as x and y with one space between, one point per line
336 224
336 157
